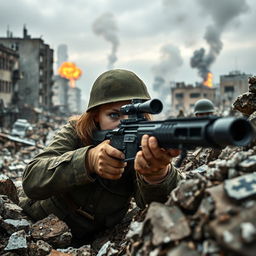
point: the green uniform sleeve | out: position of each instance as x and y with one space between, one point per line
147 193
60 166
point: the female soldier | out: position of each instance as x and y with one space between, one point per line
90 187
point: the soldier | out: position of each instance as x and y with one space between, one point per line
181 113
204 107
200 155
88 186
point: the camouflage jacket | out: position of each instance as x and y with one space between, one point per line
56 181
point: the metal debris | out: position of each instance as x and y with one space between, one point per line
241 187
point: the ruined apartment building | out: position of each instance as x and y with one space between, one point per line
36 66
231 86
184 96
9 72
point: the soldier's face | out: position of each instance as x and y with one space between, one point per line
109 115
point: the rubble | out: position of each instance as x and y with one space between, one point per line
246 103
211 212
53 231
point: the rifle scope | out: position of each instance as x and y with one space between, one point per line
153 106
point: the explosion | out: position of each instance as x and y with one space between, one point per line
70 71
208 81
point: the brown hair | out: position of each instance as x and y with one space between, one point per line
85 124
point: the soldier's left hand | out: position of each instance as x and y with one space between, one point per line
153 162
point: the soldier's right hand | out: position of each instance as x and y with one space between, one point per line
106 161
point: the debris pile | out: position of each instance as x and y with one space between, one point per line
211 212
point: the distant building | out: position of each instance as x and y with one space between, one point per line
74 100
9 76
184 96
231 86
66 100
60 94
36 65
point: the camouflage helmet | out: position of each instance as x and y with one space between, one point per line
203 106
117 85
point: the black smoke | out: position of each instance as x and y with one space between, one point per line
222 13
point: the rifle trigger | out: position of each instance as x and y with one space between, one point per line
129 159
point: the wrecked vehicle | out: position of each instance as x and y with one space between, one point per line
21 128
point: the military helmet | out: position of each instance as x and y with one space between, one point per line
203 106
117 85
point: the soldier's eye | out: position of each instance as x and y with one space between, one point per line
114 115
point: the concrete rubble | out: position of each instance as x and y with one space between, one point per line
211 212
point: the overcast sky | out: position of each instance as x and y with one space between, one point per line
157 39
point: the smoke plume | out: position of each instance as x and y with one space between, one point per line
105 26
222 13
170 61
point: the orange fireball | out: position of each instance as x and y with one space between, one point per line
70 71
208 81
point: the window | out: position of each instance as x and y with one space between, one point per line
229 89
195 95
179 95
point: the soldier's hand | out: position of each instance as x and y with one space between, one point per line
106 161
153 162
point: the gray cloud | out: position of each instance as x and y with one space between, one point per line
170 61
106 26
143 26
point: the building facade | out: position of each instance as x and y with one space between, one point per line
9 78
36 66
9 74
231 86
65 99
74 100
184 96
60 94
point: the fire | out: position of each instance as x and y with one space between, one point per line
70 71
208 81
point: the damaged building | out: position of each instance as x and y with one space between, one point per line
9 77
36 65
223 95
34 89
184 96
231 86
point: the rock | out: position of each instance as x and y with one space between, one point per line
53 231
8 188
168 223
17 242
246 103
